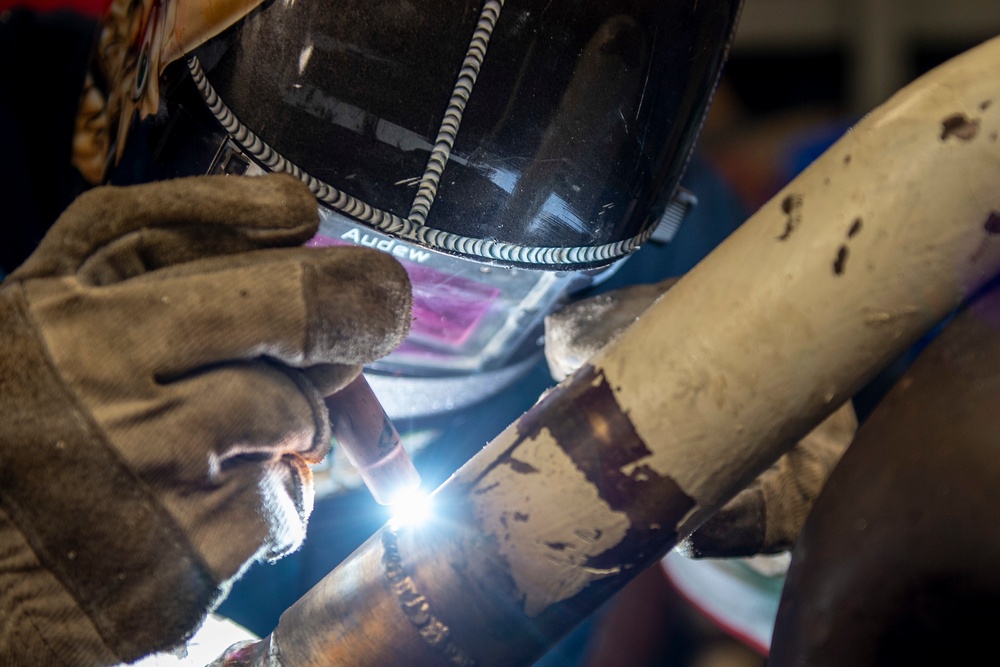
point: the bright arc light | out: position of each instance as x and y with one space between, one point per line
410 508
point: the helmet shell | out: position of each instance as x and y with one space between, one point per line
546 135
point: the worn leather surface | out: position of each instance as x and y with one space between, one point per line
163 358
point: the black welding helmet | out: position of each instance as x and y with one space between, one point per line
507 153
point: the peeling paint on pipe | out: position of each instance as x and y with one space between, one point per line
842 271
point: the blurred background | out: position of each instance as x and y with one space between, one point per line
802 71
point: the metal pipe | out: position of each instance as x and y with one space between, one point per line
842 271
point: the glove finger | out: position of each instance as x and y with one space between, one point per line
766 517
735 531
228 455
576 332
331 378
109 234
302 306
790 487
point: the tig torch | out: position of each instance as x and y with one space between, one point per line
371 443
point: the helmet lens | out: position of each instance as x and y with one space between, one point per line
467 316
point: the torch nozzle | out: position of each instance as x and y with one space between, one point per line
370 441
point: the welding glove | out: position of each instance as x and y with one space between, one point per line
163 361
764 518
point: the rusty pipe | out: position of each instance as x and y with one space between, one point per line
843 270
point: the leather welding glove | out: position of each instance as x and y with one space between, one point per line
765 517
162 366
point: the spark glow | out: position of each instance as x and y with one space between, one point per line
410 508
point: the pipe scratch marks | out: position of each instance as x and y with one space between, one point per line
840 263
992 224
791 206
960 126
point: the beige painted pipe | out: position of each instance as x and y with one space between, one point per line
841 272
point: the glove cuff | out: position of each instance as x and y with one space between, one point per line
82 511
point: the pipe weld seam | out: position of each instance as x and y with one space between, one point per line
416 607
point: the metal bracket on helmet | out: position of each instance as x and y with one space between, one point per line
670 221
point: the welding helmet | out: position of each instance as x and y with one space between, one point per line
507 153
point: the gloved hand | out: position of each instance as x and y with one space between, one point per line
764 518
161 385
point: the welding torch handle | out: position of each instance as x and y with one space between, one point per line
371 443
